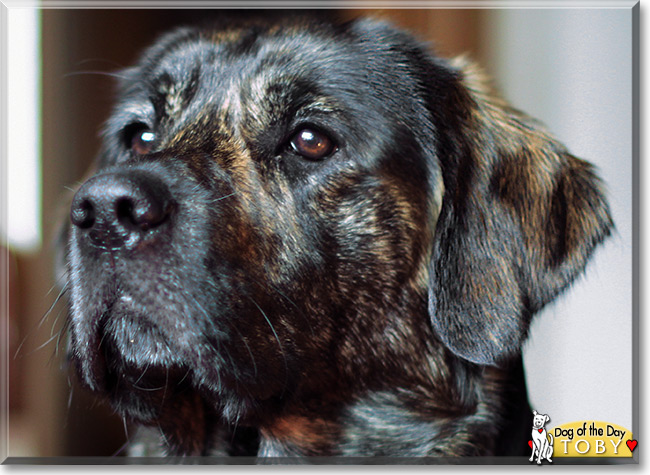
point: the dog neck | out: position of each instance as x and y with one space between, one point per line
404 415
426 420
363 428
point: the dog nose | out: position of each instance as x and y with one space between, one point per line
116 210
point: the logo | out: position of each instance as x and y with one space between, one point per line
542 442
593 439
578 439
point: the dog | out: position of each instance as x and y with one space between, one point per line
311 238
542 445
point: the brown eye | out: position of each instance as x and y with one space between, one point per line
139 138
312 144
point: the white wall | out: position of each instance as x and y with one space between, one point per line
22 228
572 68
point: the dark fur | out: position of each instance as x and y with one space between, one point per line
371 303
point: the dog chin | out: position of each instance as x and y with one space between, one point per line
154 394
148 382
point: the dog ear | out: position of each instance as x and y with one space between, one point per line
520 216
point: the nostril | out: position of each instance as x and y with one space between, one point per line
82 214
124 210
118 210
144 214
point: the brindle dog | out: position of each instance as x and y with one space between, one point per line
320 239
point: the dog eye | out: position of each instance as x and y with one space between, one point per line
139 138
312 144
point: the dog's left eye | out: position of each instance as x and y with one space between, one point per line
139 138
312 144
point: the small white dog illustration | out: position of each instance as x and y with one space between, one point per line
542 446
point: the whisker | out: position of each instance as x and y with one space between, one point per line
281 294
150 390
223 197
42 320
94 73
277 338
126 435
110 62
56 320
164 437
248 348
70 394
126 428
146 368
101 341
218 349
187 373
43 345
300 312
272 328
162 401
62 332
121 449
52 289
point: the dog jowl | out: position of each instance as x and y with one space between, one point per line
316 239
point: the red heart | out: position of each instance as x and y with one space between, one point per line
631 444
540 430
530 444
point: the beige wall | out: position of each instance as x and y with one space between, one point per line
450 31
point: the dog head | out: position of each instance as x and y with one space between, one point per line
293 209
539 420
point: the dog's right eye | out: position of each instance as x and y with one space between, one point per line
312 144
139 138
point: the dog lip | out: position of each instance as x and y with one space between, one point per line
116 344
92 368
114 367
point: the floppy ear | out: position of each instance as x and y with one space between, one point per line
519 219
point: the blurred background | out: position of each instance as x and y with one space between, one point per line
571 68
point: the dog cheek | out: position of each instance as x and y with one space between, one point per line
374 243
381 242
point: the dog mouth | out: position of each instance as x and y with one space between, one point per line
153 372
129 363
126 353
163 397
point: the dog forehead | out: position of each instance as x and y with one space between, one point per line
221 60
253 68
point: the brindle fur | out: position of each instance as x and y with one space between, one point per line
372 303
